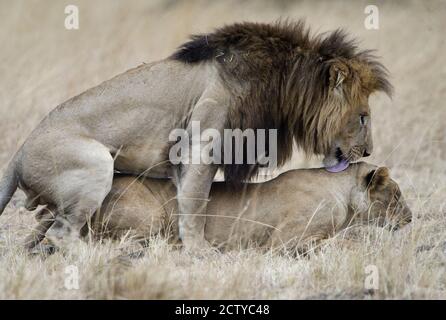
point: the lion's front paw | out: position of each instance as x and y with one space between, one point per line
198 247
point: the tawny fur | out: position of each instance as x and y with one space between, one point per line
297 209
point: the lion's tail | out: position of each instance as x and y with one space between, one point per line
8 185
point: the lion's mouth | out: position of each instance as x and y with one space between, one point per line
342 162
339 155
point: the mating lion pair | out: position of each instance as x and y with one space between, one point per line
293 212
313 90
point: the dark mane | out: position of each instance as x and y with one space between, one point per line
242 37
196 50
291 81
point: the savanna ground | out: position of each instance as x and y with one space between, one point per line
42 64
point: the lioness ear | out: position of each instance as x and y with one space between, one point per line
378 179
338 73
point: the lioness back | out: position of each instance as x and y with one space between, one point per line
296 207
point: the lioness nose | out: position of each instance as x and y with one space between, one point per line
365 154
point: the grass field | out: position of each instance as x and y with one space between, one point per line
42 64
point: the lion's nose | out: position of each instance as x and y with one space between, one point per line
365 154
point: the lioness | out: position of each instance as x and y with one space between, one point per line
295 209
313 89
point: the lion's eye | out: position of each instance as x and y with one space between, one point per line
363 120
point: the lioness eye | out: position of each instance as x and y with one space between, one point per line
363 120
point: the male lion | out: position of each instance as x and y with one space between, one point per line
292 211
313 89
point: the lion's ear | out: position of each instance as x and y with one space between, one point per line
378 179
338 72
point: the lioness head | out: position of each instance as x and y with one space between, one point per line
380 200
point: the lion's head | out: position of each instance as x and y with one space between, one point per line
378 198
347 112
333 117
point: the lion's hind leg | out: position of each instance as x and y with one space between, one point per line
83 177
45 218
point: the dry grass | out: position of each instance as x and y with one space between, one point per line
42 64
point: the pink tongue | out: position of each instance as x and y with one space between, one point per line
341 166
